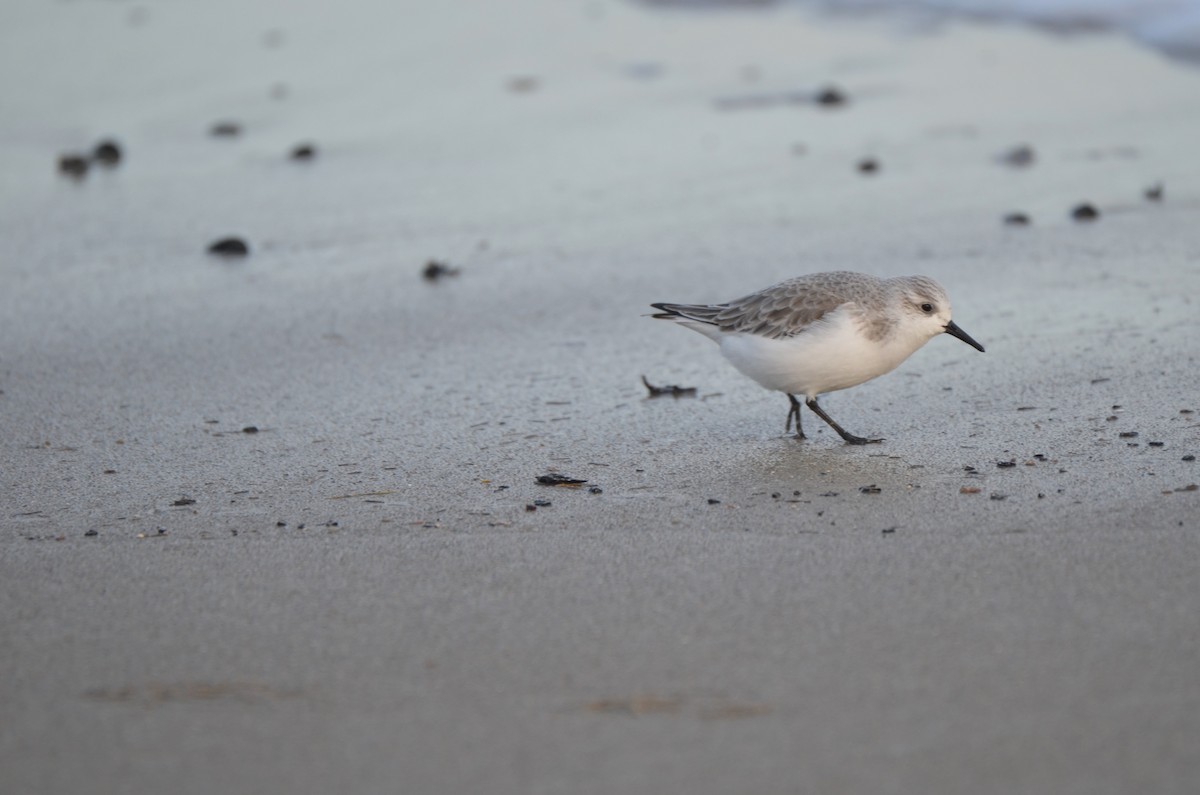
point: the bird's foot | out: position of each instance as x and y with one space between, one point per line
852 439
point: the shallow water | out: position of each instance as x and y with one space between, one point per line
1170 26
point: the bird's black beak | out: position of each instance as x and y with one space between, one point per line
954 331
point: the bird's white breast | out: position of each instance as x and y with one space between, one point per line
830 355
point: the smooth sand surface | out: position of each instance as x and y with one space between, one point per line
359 600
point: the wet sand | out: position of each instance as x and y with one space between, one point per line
356 595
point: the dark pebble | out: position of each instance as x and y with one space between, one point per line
91 533
1085 212
73 165
1188 457
1006 464
229 247
542 503
281 524
595 490
184 501
888 530
530 507
435 271
1154 193
711 501
1128 434
831 97
1019 156
998 497
872 489
1016 219
304 152
107 153
774 495
1155 444
250 429
225 129
868 165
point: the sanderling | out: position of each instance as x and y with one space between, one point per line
823 332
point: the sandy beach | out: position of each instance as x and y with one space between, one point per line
271 523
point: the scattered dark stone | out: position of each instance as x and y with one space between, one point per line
107 153
1006 464
162 531
1016 219
225 129
250 429
1040 456
1085 212
830 494
330 524
1154 193
1128 434
1186 411
1020 156
300 526
530 507
555 479
1111 418
184 501
969 468
281 524
92 533
73 165
872 489
1189 487
670 389
1100 380
229 247
523 85
998 497
868 165
304 151
595 490
831 97
774 495
1041 496
712 501
1188 457
1155 444
435 271
888 530
110 471
233 533
542 503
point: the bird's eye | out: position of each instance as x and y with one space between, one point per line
927 308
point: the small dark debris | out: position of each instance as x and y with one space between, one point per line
997 496
304 151
250 429
774 495
1006 464
670 389
73 165
1111 418
1085 212
1020 156
184 501
1155 444
1016 219
1188 457
233 532
110 472
595 490
868 165
831 97
1040 456
162 531
330 524
435 271
281 524
542 503
523 85
92 533
712 501
830 494
1186 411
555 479
530 507
300 526
888 530
229 247
1189 487
1154 193
872 489
1128 434
1100 380
107 153
1041 496
969 468
225 129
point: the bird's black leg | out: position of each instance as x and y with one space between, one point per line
849 437
794 411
